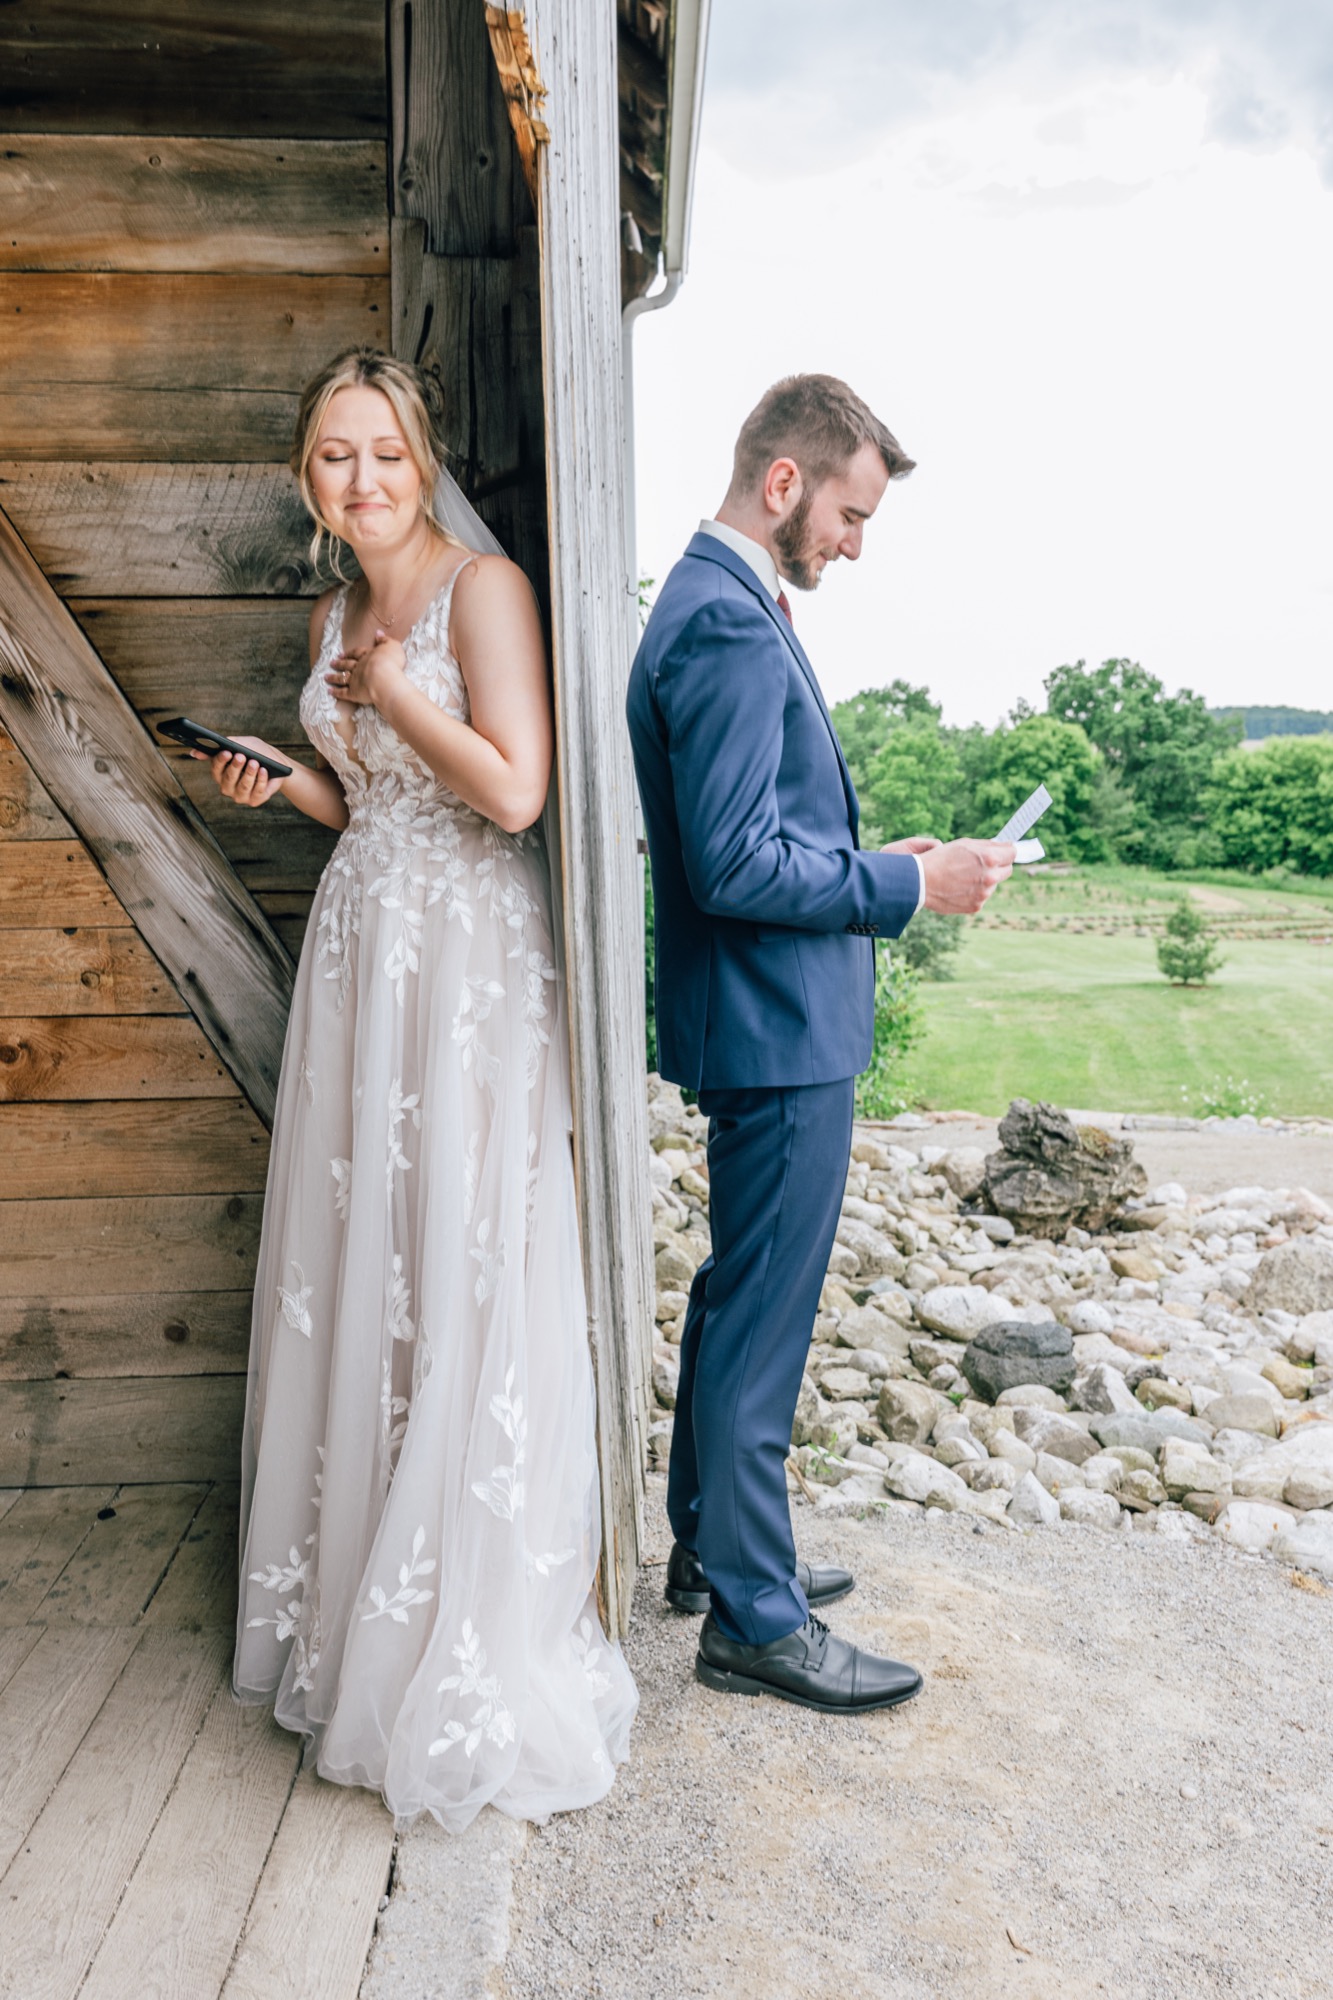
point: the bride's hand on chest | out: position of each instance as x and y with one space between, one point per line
368 675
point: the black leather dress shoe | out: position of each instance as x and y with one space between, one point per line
808 1666
687 1585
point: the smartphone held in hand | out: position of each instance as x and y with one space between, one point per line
195 736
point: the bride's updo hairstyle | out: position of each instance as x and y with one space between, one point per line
417 403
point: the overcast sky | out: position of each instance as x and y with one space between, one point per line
1080 259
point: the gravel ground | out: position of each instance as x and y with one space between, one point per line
1116 1781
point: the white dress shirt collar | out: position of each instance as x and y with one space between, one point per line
753 554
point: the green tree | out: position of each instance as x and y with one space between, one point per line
1040 750
910 783
1273 807
1162 748
865 721
1187 952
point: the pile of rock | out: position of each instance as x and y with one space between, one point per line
1171 1372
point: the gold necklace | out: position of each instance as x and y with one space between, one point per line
380 617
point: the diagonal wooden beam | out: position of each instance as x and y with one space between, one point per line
95 758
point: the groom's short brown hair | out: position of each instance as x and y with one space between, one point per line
817 421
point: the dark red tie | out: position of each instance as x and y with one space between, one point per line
785 609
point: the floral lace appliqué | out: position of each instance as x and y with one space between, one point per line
490 1718
406 1596
503 1492
296 1304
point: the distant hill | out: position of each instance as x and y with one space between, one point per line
1260 722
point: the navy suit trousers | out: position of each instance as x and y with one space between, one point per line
777 1163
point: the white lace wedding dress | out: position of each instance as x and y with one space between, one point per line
419 1528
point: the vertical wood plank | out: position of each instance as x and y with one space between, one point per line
45 1712
111 1577
465 283
15 1647
176 1928
576 51
102 1811
38 1535
314 1912
200 1588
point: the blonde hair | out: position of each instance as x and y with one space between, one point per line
416 402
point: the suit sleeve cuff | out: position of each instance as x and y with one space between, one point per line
921 882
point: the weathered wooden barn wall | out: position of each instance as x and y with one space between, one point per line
195 217
580 221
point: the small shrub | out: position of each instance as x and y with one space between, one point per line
1187 953
929 942
881 1091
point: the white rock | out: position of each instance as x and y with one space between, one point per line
1249 1382
1254 1480
1089 1316
852 1495
1051 1430
964 1169
1311 1339
868 1455
1307 1444
1032 1396
1012 1450
874 1253
840 1384
961 1311
1057 1474
666 1375
1104 1472
996 1475
1031 1506
870 1361
1186 1467
1169 1195
1088 1509
912 1476
953 1451
1252 1524
1308 1544
1102 1388
1175 1524
991 1506
1236 1447
1309 1488
1091 1348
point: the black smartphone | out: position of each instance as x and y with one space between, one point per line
195 737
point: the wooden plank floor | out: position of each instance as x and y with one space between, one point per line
157 1840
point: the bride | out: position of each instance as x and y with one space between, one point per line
419 1528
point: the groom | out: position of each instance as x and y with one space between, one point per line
766 911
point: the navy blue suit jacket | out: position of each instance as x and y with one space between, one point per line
766 907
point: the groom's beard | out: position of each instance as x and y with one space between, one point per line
796 557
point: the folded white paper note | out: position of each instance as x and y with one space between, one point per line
1025 819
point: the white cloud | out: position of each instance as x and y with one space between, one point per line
796 75
1104 337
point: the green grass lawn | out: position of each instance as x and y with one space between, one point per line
1057 995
